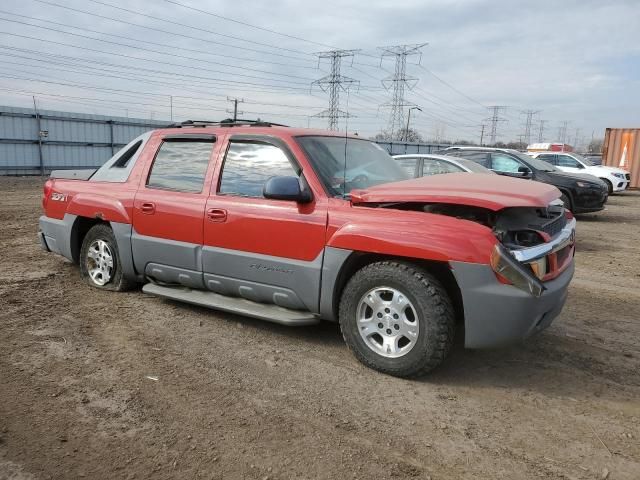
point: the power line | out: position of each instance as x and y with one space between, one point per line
199 39
205 52
451 86
173 22
399 81
333 83
249 24
164 53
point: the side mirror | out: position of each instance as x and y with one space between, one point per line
525 172
286 188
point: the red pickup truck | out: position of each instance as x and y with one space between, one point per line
296 226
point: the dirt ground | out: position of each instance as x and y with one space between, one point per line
106 385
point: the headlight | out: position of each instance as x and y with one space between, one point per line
618 175
507 267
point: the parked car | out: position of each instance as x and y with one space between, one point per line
616 179
295 226
422 165
580 193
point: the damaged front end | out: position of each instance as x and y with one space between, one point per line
535 244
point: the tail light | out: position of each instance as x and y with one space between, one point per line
48 186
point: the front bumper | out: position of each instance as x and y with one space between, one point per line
496 314
589 199
619 184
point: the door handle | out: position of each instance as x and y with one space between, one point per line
148 208
217 215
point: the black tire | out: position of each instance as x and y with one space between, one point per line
116 282
609 186
435 315
566 201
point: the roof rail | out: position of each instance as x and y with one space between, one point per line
227 122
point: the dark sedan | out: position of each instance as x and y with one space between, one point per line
580 193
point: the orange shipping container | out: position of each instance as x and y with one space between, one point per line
622 149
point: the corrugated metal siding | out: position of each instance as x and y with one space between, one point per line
402 148
75 140
620 144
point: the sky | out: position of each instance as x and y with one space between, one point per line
573 61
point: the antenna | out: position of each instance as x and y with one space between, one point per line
346 132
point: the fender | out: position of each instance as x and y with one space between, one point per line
92 205
418 235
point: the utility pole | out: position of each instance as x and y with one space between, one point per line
482 127
399 81
541 130
406 132
334 83
528 122
495 118
235 107
40 135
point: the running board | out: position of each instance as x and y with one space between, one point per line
241 306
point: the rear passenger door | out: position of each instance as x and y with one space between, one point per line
264 250
168 211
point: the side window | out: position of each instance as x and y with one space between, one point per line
181 166
481 158
548 158
248 165
567 161
408 165
124 159
501 162
437 167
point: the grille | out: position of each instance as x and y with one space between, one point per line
554 226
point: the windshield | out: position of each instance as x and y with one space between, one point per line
366 163
534 162
473 166
584 160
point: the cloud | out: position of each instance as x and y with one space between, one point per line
572 60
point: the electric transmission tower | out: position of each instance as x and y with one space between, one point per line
562 131
334 83
398 82
495 118
541 130
528 123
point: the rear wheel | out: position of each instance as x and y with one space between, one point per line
397 319
100 263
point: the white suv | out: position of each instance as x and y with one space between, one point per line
616 179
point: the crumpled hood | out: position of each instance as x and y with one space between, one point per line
493 192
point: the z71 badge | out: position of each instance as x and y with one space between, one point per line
59 197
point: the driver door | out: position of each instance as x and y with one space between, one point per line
261 249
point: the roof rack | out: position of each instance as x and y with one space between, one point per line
227 122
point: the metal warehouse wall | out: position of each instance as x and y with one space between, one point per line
622 149
402 148
74 140
78 140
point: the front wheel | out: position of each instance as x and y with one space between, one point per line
397 319
100 264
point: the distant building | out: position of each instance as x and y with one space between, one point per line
549 147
